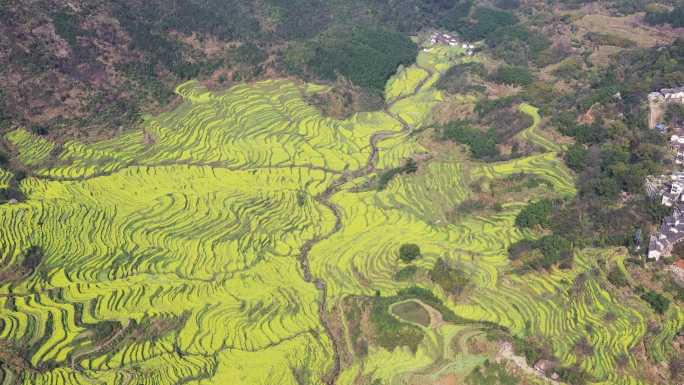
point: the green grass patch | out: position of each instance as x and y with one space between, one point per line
411 311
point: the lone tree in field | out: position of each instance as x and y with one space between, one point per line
408 252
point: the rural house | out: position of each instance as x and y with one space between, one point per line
658 101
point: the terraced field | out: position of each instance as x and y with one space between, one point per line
5 178
32 149
211 245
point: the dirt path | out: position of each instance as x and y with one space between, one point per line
506 352
324 199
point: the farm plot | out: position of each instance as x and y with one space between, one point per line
405 82
214 248
267 124
208 246
173 254
32 149
5 178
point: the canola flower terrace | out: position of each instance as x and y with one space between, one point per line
193 228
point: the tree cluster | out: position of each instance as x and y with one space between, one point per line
614 150
386 177
658 302
367 56
482 144
409 252
537 214
452 280
513 75
675 17
518 45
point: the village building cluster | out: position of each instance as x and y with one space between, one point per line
450 40
657 102
670 188
668 94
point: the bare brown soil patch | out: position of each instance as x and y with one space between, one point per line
629 27
501 90
452 110
603 55
450 379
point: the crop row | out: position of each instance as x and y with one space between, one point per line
405 82
5 178
215 246
32 149
532 134
572 311
268 124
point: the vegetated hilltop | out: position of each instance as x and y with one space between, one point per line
88 68
91 68
331 201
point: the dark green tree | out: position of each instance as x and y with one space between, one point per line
409 252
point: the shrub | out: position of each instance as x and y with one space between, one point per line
657 301
576 157
518 45
11 193
32 258
40 130
103 330
491 373
569 69
676 367
674 17
536 214
249 54
674 114
573 375
555 248
520 248
457 16
514 75
609 39
507 122
485 106
583 347
516 183
459 78
617 277
508 4
482 144
451 280
406 273
390 332
67 26
469 206
409 252
678 249
527 348
487 21
429 298
409 167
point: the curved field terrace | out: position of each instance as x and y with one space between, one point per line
245 238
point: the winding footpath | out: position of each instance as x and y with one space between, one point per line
324 199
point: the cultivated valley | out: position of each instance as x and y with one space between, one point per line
458 229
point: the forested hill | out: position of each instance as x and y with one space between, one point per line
339 192
90 68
